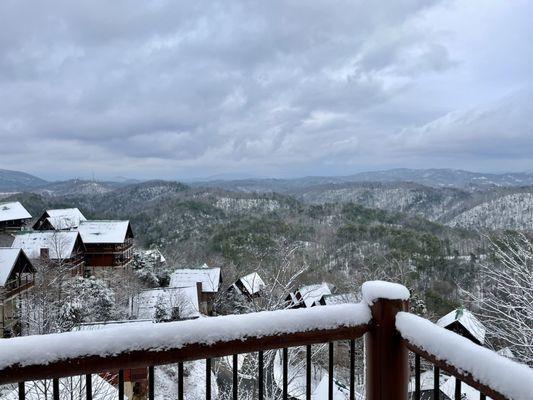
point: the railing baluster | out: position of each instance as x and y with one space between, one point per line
308 372
180 381
285 373
151 382
457 389
235 376
330 372
208 379
121 384
55 388
89 386
482 396
436 382
352 369
417 377
260 377
22 391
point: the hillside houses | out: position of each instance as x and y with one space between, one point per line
13 216
464 323
309 295
167 304
16 277
108 243
59 219
209 279
249 285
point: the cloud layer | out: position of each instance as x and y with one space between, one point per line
178 89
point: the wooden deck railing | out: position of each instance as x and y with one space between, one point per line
386 351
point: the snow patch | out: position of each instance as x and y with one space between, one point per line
373 290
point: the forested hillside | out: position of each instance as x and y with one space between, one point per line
341 242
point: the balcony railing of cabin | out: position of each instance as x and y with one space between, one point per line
389 331
16 286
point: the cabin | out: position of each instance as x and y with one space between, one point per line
56 248
427 382
168 304
16 278
59 219
309 295
13 216
464 323
249 285
135 379
209 278
341 298
108 243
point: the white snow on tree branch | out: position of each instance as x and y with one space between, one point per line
507 377
373 290
45 349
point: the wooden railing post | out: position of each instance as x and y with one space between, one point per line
387 364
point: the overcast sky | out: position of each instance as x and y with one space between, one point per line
180 89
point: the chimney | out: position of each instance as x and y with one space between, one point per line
45 253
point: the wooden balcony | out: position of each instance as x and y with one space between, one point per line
14 288
389 332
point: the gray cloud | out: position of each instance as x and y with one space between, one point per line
177 89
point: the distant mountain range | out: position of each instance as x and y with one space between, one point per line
11 181
438 178
18 181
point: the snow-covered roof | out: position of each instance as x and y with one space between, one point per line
312 294
60 244
8 258
65 218
252 283
94 232
332 299
467 392
96 326
467 320
156 255
506 352
13 211
185 298
209 277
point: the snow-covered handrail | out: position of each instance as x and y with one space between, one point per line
75 353
481 368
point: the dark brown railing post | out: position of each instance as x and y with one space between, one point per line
387 363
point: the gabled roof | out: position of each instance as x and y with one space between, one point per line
96 232
467 320
344 298
209 277
8 259
65 218
312 294
60 244
252 283
186 298
13 211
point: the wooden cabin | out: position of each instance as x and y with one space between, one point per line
464 323
59 219
60 248
209 278
249 285
167 304
13 216
107 243
309 296
16 277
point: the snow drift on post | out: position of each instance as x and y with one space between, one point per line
373 290
44 349
511 379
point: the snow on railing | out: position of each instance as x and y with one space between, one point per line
504 376
46 349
